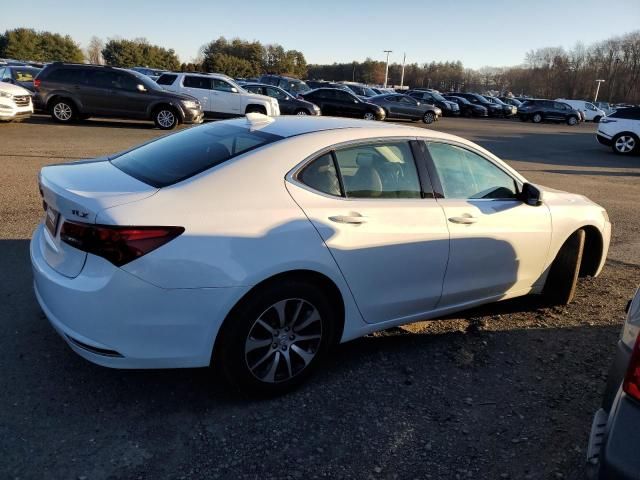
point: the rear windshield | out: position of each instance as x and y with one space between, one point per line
174 158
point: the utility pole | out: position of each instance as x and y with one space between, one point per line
404 59
386 71
599 81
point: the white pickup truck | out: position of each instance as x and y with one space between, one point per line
219 95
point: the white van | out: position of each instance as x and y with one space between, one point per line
591 112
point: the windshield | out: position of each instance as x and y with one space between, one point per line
299 86
463 100
437 96
497 100
369 92
177 157
480 98
146 81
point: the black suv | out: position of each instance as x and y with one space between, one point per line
493 109
292 85
340 103
539 110
75 91
448 107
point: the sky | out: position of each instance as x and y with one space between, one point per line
478 33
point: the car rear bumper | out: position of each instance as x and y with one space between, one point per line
112 318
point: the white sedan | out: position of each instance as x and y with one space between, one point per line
257 243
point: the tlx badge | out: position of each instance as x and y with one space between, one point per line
80 214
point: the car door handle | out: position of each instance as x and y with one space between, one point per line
465 220
353 218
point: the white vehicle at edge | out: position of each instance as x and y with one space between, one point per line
220 95
621 131
591 112
255 244
15 102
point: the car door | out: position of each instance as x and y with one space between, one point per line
499 245
348 104
199 87
383 227
225 98
95 91
285 102
409 107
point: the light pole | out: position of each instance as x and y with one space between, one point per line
386 70
599 81
404 59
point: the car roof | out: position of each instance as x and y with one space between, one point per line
293 125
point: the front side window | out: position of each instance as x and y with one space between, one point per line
276 93
466 175
166 79
379 170
321 175
222 86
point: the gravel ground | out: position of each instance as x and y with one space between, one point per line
504 391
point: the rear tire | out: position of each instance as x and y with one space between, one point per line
369 116
536 118
63 110
625 144
596 119
572 120
165 118
260 348
560 287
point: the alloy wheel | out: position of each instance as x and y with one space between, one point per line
62 111
302 113
369 116
283 340
166 118
428 117
625 144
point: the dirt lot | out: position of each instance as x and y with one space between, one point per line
506 391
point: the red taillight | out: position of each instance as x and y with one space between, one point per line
631 384
36 83
119 245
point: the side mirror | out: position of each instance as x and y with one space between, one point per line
234 90
531 195
141 88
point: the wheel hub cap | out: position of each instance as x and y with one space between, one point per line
283 341
625 144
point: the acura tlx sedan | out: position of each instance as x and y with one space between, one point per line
255 244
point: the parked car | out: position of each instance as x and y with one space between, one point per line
313 84
621 131
612 453
255 244
467 108
511 101
340 103
154 73
15 102
359 89
219 95
448 107
18 75
590 112
493 109
292 85
539 110
404 107
606 107
508 110
75 91
289 105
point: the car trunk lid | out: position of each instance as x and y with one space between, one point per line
78 192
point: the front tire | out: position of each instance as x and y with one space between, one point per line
572 120
63 111
165 118
625 144
302 112
597 119
560 287
428 118
274 339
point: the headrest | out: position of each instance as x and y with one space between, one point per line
365 159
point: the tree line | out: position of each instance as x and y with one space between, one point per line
546 72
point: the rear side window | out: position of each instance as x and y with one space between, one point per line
66 75
627 113
176 157
166 79
321 175
192 81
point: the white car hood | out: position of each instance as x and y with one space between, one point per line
552 195
13 89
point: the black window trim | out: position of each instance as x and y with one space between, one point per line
419 159
435 177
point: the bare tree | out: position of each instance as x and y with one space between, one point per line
94 51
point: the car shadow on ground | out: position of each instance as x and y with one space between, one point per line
96 123
392 403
